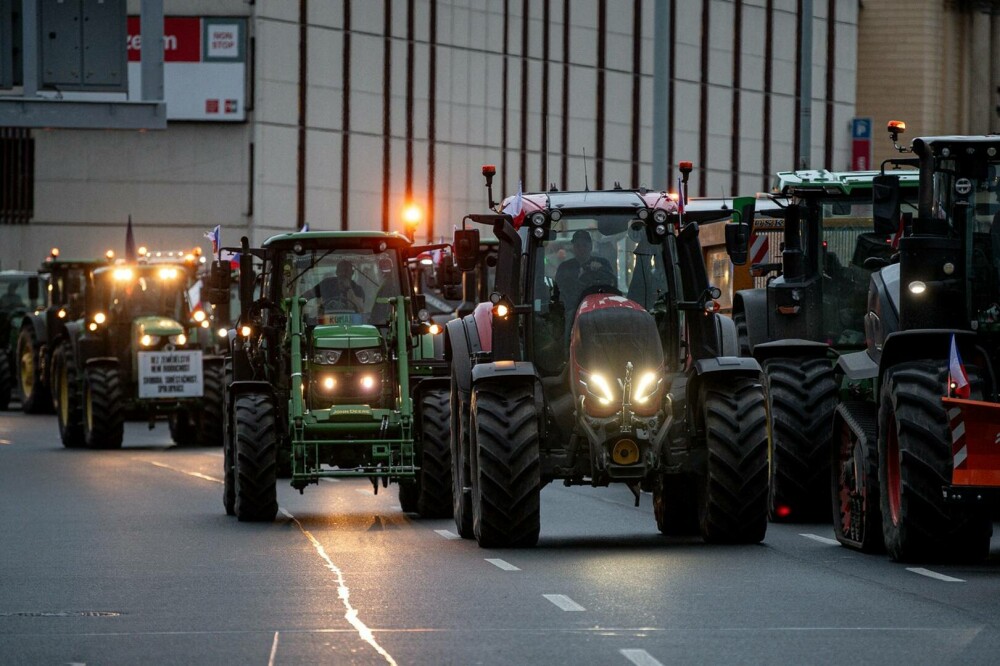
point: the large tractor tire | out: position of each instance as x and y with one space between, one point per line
734 501
857 517
209 417
66 396
742 333
256 439
801 399
103 407
434 498
506 471
6 381
461 479
675 504
228 445
915 461
35 398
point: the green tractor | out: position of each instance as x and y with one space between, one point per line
20 296
41 330
600 358
808 310
131 355
324 379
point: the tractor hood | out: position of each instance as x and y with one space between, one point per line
346 336
150 325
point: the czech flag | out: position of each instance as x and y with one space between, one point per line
215 236
516 209
894 241
958 380
681 195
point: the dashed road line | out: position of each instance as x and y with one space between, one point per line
502 564
329 479
4 442
934 574
446 534
815 537
343 593
362 491
564 602
640 658
274 650
197 475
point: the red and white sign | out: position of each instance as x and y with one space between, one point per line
204 70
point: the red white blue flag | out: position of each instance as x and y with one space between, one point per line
894 241
958 380
215 235
516 209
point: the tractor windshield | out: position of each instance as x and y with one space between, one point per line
588 253
147 291
14 294
341 286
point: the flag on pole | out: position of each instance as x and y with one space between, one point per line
232 257
680 195
305 227
215 235
958 380
516 209
131 256
894 241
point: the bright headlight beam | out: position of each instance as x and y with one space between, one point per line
645 387
601 384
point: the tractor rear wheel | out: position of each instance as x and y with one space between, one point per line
6 381
35 398
209 417
181 425
506 475
734 504
103 407
801 399
256 497
857 521
228 444
742 333
434 496
461 490
915 461
409 493
675 504
66 396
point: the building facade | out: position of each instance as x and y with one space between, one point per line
354 108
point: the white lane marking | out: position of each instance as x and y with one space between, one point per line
446 534
934 574
502 564
344 593
274 650
4 442
362 491
197 475
826 540
329 479
214 454
640 658
564 602
396 507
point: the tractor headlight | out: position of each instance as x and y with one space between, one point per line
148 340
368 382
600 388
647 385
199 316
179 339
100 318
368 356
917 287
326 356
328 383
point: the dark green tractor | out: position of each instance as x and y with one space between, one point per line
21 294
324 379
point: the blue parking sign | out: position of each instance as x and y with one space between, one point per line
861 128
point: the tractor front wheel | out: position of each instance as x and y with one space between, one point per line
228 445
66 396
734 501
675 504
506 474
434 497
461 491
256 498
35 397
6 381
103 407
209 417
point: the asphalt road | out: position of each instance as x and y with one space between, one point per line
127 557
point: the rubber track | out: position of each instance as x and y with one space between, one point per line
256 459
435 459
508 479
803 397
71 432
107 402
210 417
860 419
734 506
6 381
929 528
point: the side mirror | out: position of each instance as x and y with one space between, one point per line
885 203
737 239
33 289
467 249
216 288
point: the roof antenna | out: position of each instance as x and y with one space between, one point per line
723 190
586 182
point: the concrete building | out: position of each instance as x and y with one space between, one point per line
390 101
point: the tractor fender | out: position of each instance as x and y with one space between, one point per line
727 336
857 366
461 342
247 386
105 361
793 348
424 385
735 366
504 369
37 324
753 304
902 346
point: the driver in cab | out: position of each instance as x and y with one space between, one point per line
340 292
570 272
